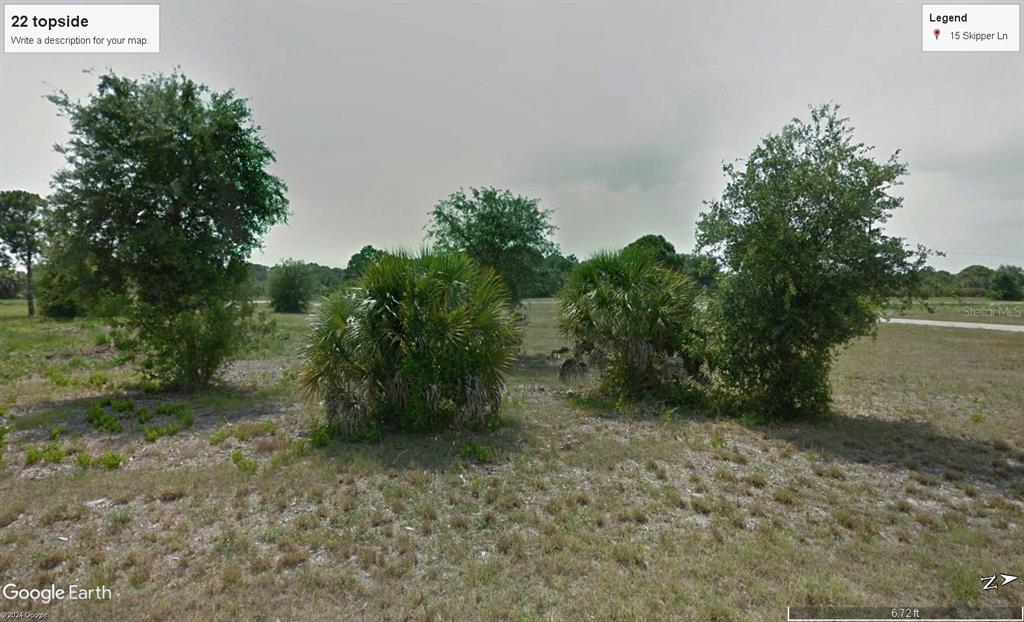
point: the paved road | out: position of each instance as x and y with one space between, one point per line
1006 328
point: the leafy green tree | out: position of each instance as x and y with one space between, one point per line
508 232
259 275
59 291
359 261
800 226
164 196
65 282
21 215
637 311
550 277
291 287
326 278
703 269
937 282
974 280
657 246
1007 283
423 343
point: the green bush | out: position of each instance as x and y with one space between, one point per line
11 283
320 436
800 226
637 312
57 294
291 287
187 348
1007 283
421 343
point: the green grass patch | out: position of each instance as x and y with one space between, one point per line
472 451
110 461
51 453
245 465
103 419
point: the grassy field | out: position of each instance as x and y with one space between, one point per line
576 508
964 310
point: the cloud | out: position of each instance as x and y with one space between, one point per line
616 115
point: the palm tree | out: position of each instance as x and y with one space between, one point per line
421 342
633 309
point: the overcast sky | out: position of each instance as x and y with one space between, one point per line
618 116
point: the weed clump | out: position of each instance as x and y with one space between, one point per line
51 453
245 465
110 460
109 413
471 451
183 419
181 412
103 420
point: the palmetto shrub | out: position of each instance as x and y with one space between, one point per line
636 312
422 342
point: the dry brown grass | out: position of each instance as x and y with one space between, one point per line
583 509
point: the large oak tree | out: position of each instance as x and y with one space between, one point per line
165 194
800 227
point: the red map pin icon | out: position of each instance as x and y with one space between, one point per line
936 32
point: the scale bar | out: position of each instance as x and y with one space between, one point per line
915 614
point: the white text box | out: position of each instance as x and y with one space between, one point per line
970 28
81 28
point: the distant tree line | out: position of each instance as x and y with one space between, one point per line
1004 283
545 282
544 276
